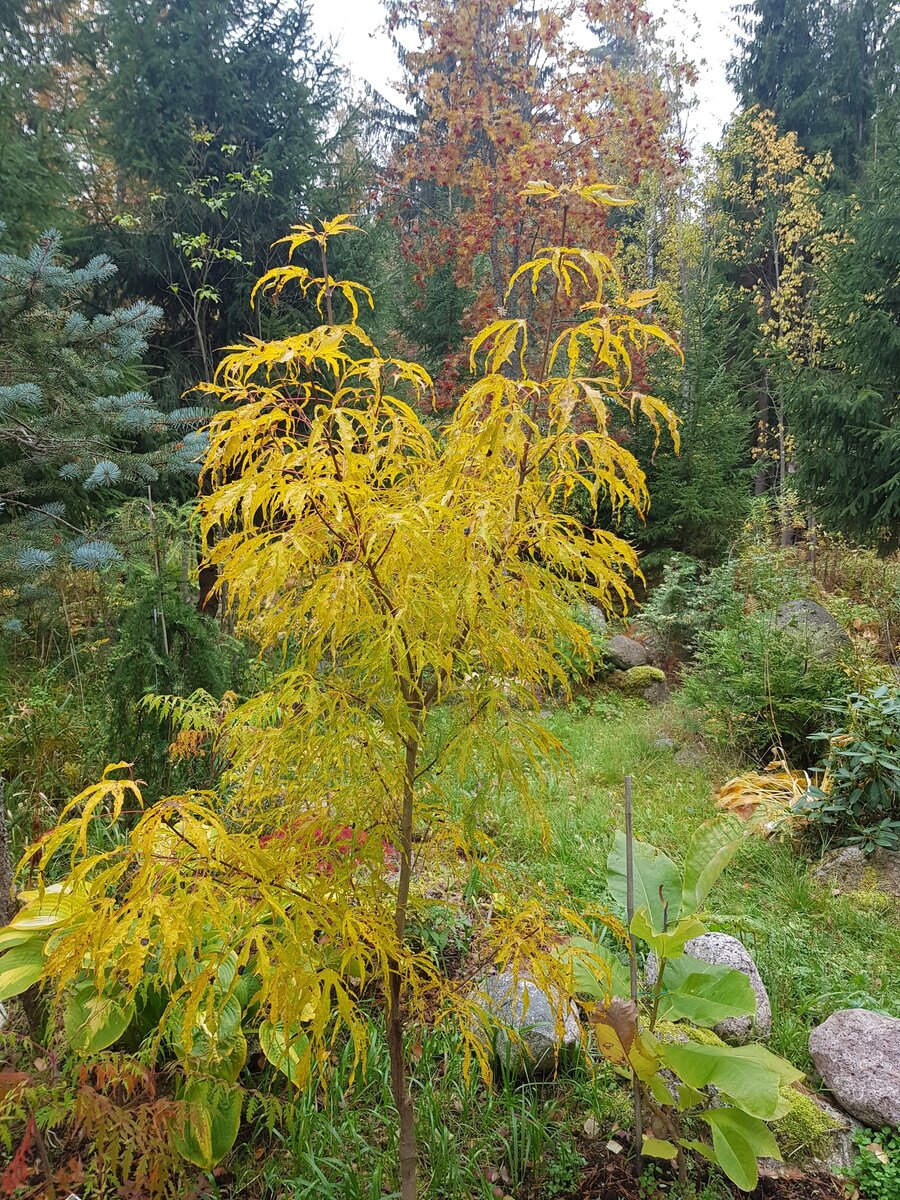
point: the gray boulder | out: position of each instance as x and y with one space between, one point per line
812 621
721 949
625 653
849 870
542 1032
857 1054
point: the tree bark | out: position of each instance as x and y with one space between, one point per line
6 875
395 1022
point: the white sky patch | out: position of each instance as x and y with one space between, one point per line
703 29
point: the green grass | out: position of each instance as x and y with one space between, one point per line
816 952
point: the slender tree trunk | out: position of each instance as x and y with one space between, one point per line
6 875
761 481
395 1022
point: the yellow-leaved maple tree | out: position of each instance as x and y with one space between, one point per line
415 585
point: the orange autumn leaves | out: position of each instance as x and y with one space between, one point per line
506 94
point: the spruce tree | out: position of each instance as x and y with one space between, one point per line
820 66
846 412
38 118
77 431
250 79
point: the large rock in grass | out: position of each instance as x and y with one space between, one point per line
814 623
723 950
857 1053
530 1035
625 653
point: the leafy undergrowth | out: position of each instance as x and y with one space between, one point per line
816 951
566 1139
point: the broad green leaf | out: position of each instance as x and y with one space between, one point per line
20 968
658 1148
214 1030
706 999
751 1076
689 1097
654 873
285 1055
660 1091
699 1148
230 1064
210 1123
739 1140
669 945
93 1022
711 850
10 937
596 973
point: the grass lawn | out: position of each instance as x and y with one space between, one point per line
817 952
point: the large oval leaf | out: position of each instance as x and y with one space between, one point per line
738 1141
94 1022
750 1076
711 850
657 881
20 968
705 993
210 1122
284 1053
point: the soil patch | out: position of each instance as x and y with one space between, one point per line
608 1177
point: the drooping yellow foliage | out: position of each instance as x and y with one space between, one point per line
416 584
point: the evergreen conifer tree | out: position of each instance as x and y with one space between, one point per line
846 412
76 428
38 116
248 80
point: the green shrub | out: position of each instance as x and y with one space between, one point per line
876 1168
688 601
760 689
859 801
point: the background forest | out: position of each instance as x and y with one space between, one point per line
744 620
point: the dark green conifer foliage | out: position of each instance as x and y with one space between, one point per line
822 67
846 414
251 75
37 118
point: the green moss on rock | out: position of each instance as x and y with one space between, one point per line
805 1131
636 680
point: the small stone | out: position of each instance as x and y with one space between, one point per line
857 1054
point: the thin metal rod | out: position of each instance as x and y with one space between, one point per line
632 962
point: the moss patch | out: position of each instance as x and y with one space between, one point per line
673 1031
636 680
805 1130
